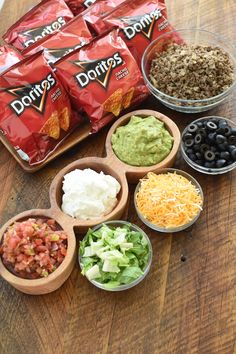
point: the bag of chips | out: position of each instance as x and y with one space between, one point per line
45 18
8 57
35 111
139 23
103 78
78 6
95 14
74 34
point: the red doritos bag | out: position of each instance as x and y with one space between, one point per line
139 23
95 14
44 19
35 111
8 57
78 6
103 78
74 34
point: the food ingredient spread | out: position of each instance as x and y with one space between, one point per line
142 142
168 200
192 71
33 248
88 194
114 255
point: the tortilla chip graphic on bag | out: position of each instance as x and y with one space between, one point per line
64 119
127 98
114 103
52 127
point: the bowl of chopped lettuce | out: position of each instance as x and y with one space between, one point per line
115 255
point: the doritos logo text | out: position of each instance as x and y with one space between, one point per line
33 95
141 24
35 34
88 3
97 70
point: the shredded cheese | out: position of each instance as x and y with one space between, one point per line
168 200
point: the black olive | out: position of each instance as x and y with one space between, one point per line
192 128
217 155
220 163
211 137
204 148
229 162
189 151
187 136
222 123
211 125
233 131
223 147
209 164
213 148
196 147
189 142
227 130
193 157
198 138
233 154
220 139
231 148
202 131
199 124
199 162
198 155
232 139
225 155
209 155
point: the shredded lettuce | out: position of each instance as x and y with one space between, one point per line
113 255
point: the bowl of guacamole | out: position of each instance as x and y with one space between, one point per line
142 141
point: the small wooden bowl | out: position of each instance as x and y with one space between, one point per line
134 173
55 279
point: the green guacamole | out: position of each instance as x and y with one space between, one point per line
142 142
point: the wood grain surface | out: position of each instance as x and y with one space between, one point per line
182 307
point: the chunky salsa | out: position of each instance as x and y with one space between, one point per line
33 248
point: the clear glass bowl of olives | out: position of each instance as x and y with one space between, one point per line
208 145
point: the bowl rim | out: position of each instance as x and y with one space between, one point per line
206 170
178 100
174 229
148 265
168 122
15 280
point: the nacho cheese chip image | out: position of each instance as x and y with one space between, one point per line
127 98
114 103
64 119
52 127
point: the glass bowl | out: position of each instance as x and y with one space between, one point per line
190 36
118 223
206 170
175 229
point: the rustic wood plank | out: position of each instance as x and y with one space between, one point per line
181 307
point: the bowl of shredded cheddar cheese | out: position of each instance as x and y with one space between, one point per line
169 200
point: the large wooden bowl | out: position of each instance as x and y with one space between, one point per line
59 276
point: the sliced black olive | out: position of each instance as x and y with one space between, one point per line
222 123
202 131
231 148
220 139
209 164
187 136
211 125
198 155
199 162
225 155
198 138
196 147
199 124
217 155
233 131
193 157
189 142
232 139
220 163
213 148
189 151
223 147
209 155
204 148
192 128
211 137
233 154
227 130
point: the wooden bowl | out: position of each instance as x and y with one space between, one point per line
134 173
59 276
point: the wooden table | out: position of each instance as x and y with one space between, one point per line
181 307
